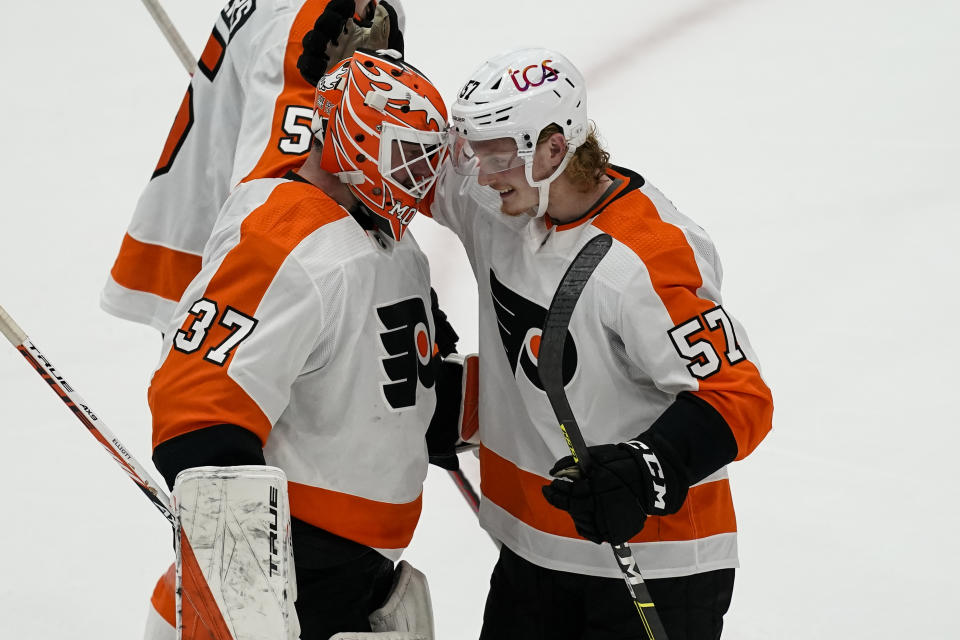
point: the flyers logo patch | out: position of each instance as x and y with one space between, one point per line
521 324
405 336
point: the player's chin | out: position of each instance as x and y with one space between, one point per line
514 210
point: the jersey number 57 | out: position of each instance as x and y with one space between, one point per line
703 357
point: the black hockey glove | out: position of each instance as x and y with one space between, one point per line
394 35
327 29
446 338
337 33
626 483
649 475
443 433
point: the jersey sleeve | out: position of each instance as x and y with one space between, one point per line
447 205
274 133
250 322
676 329
461 205
245 115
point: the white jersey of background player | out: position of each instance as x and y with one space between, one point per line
652 360
246 115
305 342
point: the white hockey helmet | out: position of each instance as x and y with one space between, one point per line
516 95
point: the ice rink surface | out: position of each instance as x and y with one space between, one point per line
817 142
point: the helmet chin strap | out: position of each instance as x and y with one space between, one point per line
543 186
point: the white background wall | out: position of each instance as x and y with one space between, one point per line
818 142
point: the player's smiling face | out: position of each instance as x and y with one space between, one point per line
501 170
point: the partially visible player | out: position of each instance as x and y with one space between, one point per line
660 375
304 343
246 115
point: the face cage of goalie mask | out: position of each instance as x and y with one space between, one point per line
429 148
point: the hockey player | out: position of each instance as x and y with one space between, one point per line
304 343
246 115
660 376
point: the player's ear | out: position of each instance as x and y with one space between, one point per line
557 146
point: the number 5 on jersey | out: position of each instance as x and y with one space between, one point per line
704 361
204 312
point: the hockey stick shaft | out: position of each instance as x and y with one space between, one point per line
96 427
170 32
550 370
466 489
79 407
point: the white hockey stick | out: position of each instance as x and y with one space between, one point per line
203 600
87 416
172 35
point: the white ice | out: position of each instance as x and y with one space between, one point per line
818 142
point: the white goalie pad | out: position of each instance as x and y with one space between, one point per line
235 574
406 615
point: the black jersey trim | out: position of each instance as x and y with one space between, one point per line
634 181
699 435
221 445
624 181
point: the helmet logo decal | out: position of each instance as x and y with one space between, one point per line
403 213
547 74
398 95
331 80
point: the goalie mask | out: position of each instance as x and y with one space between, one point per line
383 127
515 96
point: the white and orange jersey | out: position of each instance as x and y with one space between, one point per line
315 335
246 114
650 324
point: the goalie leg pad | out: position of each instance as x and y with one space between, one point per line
407 613
234 553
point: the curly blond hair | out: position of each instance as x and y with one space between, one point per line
589 162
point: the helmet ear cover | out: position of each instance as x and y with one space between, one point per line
385 136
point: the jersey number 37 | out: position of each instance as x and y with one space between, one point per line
204 312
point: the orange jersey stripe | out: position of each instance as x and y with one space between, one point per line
707 511
188 393
182 124
169 272
296 92
597 208
380 525
736 391
213 54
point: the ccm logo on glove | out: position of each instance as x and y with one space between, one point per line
656 472
626 483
